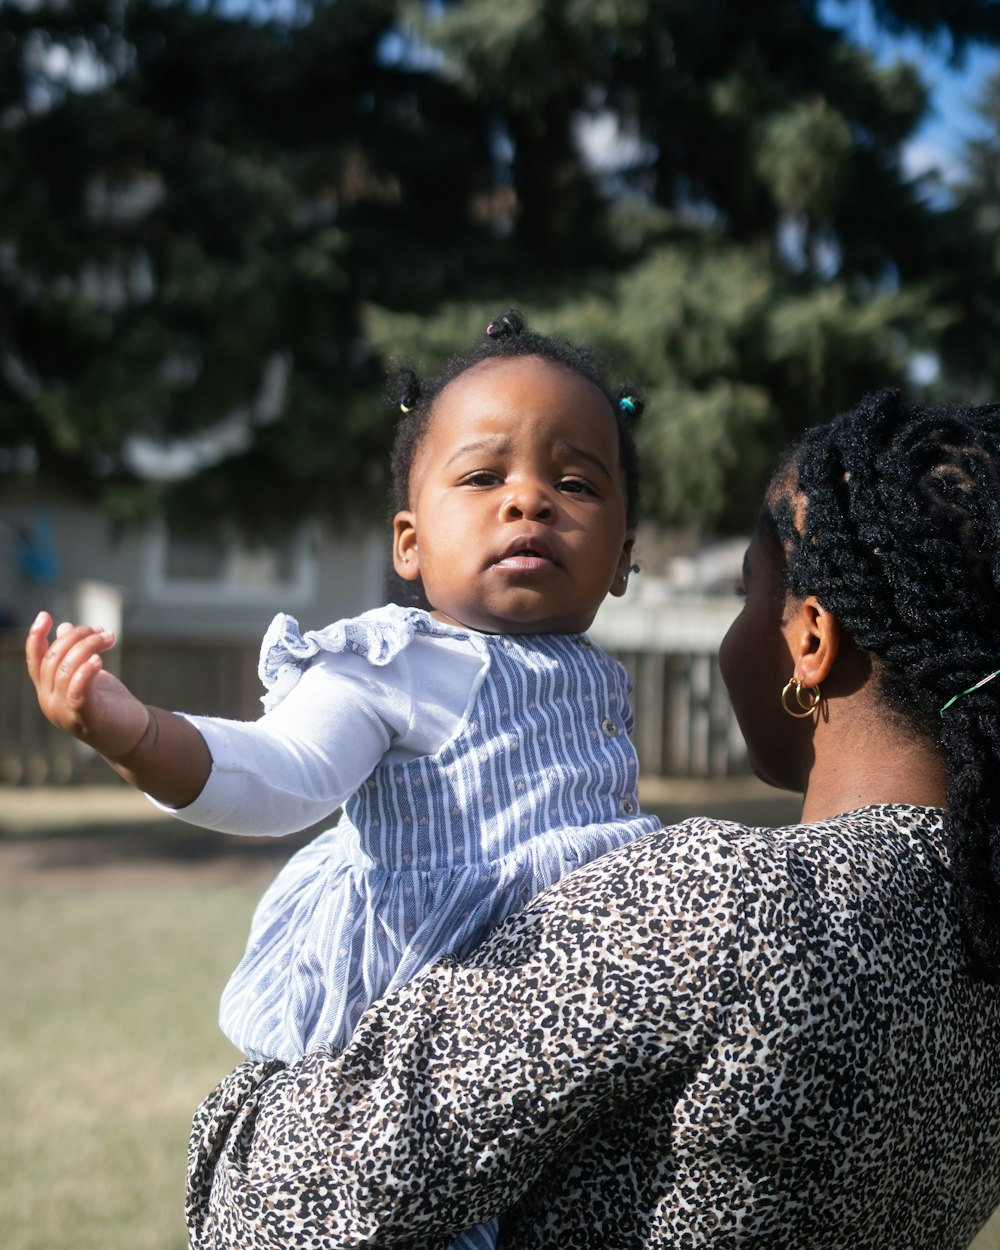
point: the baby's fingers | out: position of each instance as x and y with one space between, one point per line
67 664
81 680
37 643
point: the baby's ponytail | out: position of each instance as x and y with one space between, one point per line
403 389
508 325
630 403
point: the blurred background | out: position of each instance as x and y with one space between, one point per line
220 223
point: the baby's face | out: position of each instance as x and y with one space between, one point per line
517 517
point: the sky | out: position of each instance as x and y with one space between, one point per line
951 121
954 87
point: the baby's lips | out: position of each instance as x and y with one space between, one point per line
528 546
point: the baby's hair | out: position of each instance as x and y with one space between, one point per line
890 516
507 337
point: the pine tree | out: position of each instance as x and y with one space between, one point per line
190 238
223 223
761 259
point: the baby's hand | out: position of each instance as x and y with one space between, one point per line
75 692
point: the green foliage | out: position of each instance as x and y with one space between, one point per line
802 156
968 265
214 219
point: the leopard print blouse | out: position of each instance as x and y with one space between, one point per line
716 1036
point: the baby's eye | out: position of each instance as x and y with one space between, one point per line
576 486
482 477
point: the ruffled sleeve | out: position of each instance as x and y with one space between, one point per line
377 636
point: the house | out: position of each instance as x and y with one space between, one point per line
190 613
68 557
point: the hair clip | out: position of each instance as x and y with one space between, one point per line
627 405
962 693
497 329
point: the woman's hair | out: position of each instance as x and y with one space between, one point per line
507 337
890 516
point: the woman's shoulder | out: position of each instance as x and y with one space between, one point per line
709 884
866 833
726 857
378 636
673 870
879 865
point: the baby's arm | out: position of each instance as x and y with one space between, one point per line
154 750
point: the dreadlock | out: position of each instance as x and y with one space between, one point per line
890 516
507 337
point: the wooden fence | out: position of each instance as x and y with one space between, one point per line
207 678
683 723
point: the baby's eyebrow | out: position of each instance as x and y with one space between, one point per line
497 443
581 453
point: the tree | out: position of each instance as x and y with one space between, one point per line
969 265
762 260
190 240
236 220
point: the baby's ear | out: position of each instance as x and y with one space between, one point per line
625 566
405 557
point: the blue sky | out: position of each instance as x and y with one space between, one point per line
952 119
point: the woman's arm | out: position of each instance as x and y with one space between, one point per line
458 1093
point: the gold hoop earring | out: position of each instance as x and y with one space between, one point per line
806 707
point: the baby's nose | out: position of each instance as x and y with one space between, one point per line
529 499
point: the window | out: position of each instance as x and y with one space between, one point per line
215 569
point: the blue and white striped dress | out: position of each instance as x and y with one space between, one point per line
433 852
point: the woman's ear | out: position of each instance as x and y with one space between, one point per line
815 637
624 566
405 556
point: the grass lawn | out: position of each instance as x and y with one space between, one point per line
107 1042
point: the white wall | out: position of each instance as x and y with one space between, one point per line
648 618
335 576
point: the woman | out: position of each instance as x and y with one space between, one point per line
718 1036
